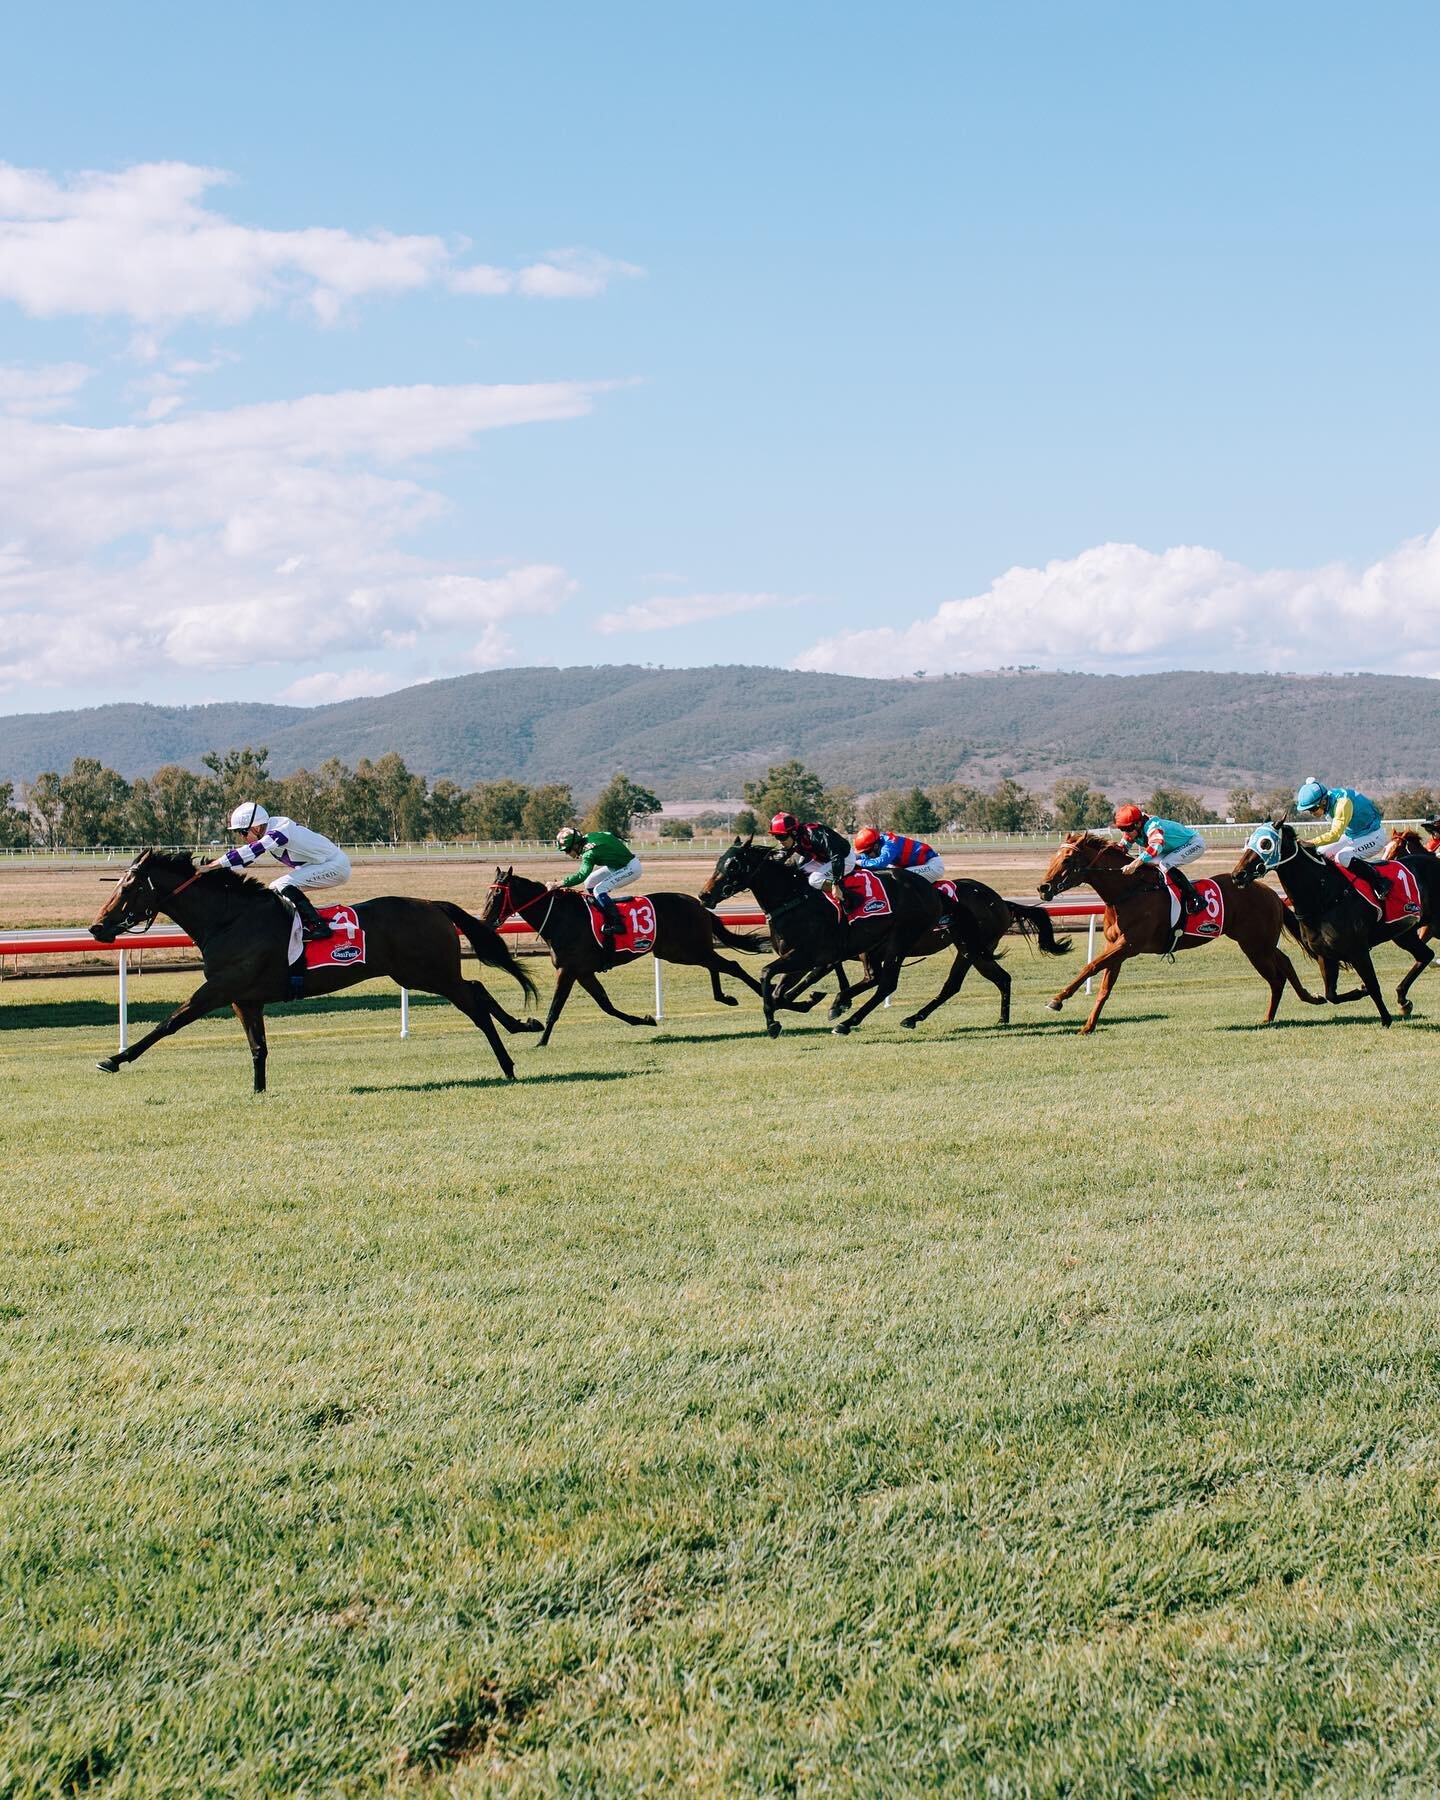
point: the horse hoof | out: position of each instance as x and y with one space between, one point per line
773 1029
1407 1009
909 1024
647 1018
109 1066
1053 1005
728 1000
842 1029
531 1025
817 996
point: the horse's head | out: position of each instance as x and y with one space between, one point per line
732 872
139 894
1404 841
1268 845
500 897
1077 857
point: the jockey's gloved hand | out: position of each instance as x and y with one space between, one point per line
1133 868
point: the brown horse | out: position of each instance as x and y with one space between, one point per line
242 932
1137 921
685 932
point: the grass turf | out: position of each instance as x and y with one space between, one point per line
959 1409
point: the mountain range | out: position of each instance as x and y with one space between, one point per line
695 734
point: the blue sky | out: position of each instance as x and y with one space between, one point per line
937 336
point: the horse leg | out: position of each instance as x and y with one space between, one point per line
1287 971
842 1001
481 996
778 979
204 1000
1330 969
1414 943
591 984
1107 981
1119 950
253 1020
994 971
471 999
959 969
884 981
1365 969
564 981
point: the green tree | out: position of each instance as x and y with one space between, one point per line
1180 804
93 803
172 806
495 810
547 809
916 815
786 787
1412 803
840 807
447 810
400 800
618 803
14 821
678 830
1079 807
42 800
240 775
745 824
880 808
1010 807
1240 804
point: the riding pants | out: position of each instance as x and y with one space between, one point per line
1368 848
600 882
818 871
932 869
329 873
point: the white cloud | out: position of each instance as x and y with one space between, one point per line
328 685
263 535
667 611
35 392
1119 608
139 243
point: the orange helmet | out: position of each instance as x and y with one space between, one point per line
866 839
1129 818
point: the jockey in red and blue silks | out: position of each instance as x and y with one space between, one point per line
1162 844
889 850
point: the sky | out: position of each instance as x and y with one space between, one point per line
345 347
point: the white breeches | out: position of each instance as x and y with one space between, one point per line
819 872
933 870
329 873
1175 859
604 881
1368 848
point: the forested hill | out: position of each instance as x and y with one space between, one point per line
695 733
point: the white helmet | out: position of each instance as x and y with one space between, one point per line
248 813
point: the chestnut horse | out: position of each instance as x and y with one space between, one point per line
1406 845
1137 921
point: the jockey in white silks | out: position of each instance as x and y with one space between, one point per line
311 861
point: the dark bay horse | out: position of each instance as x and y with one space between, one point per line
684 933
807 931
242 932
1137 921
1406 845
1334 923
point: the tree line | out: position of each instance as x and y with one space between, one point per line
375 802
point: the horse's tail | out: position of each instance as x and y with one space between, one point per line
487 944
753 944
1288 922
1035 923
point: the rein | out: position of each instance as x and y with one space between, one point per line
519 911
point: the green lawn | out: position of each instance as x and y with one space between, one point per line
969 1410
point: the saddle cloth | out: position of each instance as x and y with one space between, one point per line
1401 906
1207 924
866 897
636 936
346 946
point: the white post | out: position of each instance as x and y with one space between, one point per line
1090 948
659 989
124 1007
404 1012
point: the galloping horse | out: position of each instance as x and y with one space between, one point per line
1137 921
1334 923
242 932
1406 845
807 930
684 933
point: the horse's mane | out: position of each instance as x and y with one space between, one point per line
182 865
1088 839
1407 838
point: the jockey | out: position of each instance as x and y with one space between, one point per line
897 852
1357 829
605 863
824 855
1162 844
1433 827
311 861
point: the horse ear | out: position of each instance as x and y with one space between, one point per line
1277 819
749 840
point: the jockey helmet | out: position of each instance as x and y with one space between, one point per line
867 839
248 813
784 825
567 837
1129 818
1310 794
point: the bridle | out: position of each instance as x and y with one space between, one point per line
147 879
508 905
1072 871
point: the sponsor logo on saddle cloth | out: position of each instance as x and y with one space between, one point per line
866 896
636 936
1207 924
1401 906
345 946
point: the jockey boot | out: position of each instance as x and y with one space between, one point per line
609 919
312 926
1190 901
1368 872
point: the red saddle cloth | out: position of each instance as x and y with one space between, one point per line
636 936
345 946
1401 906
947 888
1211 922
866 896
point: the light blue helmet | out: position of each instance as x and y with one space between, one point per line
1310 794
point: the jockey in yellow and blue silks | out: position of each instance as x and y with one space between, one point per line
1162 844
1356 832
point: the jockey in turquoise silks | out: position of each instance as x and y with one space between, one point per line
1356 831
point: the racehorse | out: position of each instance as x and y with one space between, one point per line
979 919
1137 921
242 932
1336 924
684 933
807 930
1406 845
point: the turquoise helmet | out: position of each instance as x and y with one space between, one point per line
1310 794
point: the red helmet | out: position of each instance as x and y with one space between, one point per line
784 825
1129 818
867 839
